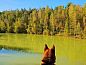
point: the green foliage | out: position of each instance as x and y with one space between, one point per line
20 27
70 20
66 29
2 27
78 29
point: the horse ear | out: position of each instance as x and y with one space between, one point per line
46 47
53 47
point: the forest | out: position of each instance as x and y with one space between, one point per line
67 21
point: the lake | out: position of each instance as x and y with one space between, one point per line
10 57
69 51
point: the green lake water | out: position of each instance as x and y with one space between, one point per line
69 51
10 57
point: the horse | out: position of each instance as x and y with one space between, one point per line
48 56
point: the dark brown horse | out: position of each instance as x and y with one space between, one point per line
48 56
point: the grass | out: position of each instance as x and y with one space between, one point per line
69 51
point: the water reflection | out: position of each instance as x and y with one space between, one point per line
10 57
68 51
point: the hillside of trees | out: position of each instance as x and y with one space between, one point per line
68 21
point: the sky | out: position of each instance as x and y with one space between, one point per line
18 4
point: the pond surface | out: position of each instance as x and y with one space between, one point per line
69 51
10 57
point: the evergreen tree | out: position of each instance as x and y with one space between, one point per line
2 27
70 20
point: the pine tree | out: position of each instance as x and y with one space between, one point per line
2 27
52 23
